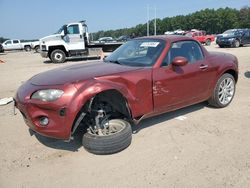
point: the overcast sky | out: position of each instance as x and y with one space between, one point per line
33 19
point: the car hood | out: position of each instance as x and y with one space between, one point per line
79 72
51 37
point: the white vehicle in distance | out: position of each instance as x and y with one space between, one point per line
16 45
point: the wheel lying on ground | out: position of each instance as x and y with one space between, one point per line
58 56
223 92
115 137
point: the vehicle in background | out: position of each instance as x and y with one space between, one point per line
169 33
176 32
35 46
105 40
16 45
145 77
1 48
201 36
123 38
72 41
234 38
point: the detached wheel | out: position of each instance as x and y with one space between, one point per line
115 137
236 43
223 92
58 56
27 48
208 42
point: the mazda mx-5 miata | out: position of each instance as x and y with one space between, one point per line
144 77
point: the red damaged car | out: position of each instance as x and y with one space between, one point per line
142 78
201 36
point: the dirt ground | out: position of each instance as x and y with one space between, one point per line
207 148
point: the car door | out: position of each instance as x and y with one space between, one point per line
246 37
175 87
16 45
7 45
74 39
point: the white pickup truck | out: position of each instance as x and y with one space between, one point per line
16 45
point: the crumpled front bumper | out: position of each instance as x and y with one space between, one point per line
32 110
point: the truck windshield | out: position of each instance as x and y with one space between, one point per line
138 52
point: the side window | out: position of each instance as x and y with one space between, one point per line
15 42
73 29
188 49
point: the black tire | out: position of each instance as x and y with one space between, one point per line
27 48
221 46
37 49
109 144
236 43
215 98
208 42
57 56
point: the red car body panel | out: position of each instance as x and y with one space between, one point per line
147 90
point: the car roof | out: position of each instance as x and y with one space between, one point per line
168 38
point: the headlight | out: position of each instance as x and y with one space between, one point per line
231 39
47 94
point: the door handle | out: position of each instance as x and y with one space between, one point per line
203 66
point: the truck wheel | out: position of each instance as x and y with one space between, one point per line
27 48
223 92
114 138
236 43
58 56
221 46
37 49
208 42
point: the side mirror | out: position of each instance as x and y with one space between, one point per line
179 61
65 31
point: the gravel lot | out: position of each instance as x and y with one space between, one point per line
210 148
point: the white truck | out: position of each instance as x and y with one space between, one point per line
72 41
16 45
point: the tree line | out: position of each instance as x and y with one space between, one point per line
211 20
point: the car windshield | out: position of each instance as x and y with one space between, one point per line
229 32
232 32
138 52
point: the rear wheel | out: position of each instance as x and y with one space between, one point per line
27 48
208 42
236 43
37 49
58 56
223 92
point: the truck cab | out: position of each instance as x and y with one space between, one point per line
72 41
